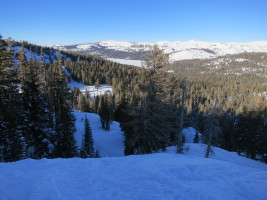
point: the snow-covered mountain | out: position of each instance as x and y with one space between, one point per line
178 50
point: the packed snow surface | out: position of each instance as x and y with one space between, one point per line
167 176
156 176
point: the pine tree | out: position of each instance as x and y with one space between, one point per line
196 138
87 102
34 123
97 154
97 84
12 145
87 150
105 111
249 133
65 146
81 103
64 120
156 58
180 142
151 119
212 133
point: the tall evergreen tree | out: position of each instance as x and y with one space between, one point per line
81 103
212 132
181 120
87 150
156 58
64 120
34 124
12 144
105 111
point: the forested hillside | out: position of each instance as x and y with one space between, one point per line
216 96
153 105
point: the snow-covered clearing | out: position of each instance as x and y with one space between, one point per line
137 63
90 88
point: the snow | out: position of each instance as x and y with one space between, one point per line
137 63
90 88
198 150
51 57
29 54
167 176
146 177
109 143
189 134
170 71
241 60
178 50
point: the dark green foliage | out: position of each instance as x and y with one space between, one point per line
250 134
196 137
63 118
37 116
156 58
97 154
203 91
65 146
148 124
87 150
148 103
105 111
34 121
12 144
97 84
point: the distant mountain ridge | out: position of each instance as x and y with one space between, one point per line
178 50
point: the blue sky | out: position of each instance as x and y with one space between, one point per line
48 22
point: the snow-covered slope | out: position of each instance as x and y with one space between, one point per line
143 177
198 150
167 176
178 50
49 56
109 143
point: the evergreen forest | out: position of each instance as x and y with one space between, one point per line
153 104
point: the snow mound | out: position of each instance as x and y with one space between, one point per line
146 177
198 150
189 134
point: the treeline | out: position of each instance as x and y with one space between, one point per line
36 119
149 103
152 105
140 102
